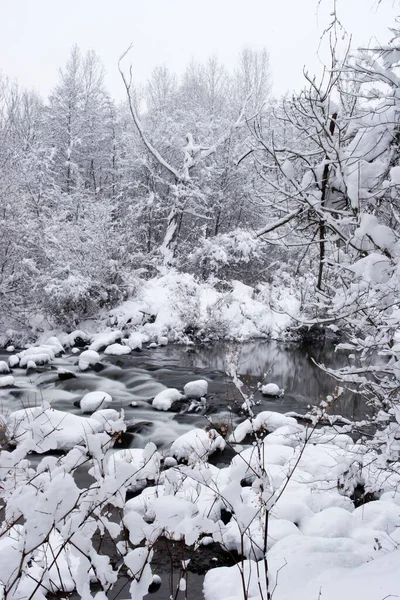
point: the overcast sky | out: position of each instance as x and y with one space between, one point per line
37 35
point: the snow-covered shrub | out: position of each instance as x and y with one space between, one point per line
71 296
234 255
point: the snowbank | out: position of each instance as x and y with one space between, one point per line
170 306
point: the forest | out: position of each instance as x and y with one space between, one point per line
200 210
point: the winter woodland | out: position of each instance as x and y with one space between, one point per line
200 209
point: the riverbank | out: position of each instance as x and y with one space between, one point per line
178 307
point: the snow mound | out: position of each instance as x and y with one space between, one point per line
78 337
226 583
102 340
106 416
40 355
196 445
135 465
271 389
94 401
266 420
117 350
164 400
13 361
4 368
196 389
136 340
7 381
87 359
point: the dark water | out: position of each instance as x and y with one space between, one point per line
138 377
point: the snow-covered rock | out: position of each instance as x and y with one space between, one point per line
78 338
225 583
94 401
40 355
87 359
4 368
196 445
10 349
164 400
49 429
267 420
107 338
135 466
196 389
55 344
106 415
111 420
117 350
271 389
136 340
13 361
7 381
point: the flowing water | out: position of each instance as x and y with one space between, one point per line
138 377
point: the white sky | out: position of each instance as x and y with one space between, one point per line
37 35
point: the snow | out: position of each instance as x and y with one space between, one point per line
164 400
271 389
40 355
135 465
196 445
378 578
87 359
49 429
316 538
136 340
196 389
94 401
4 368
13 361
371 230
77 334
104 339
177 300
266 420
106 416
7 381
226 583
117 350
